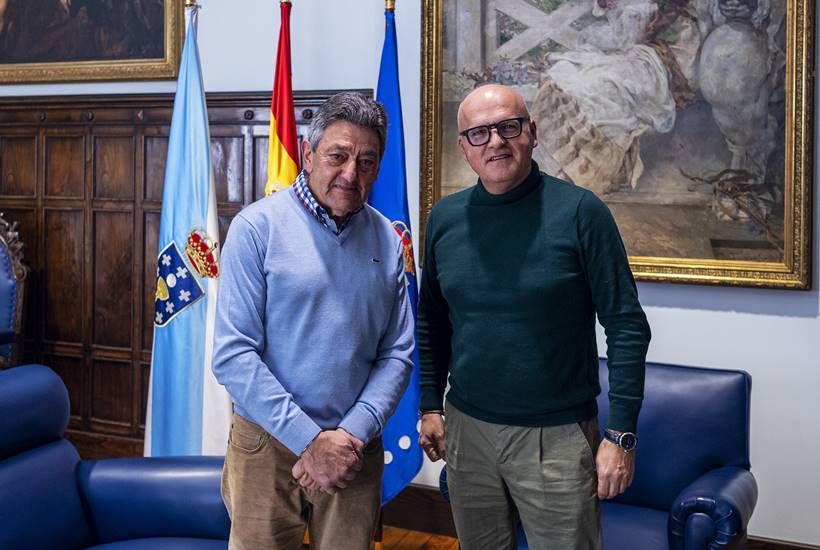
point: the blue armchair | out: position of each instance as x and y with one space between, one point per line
693 489
49 498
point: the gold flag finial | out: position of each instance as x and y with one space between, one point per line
390 5
284 1
191 4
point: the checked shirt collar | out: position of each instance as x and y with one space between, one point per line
300 187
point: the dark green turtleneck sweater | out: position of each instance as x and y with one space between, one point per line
510 288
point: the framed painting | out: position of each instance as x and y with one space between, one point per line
691 119
81 40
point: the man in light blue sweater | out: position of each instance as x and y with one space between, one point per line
313 341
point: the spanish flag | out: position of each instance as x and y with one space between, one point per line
283 155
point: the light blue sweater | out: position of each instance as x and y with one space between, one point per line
313 330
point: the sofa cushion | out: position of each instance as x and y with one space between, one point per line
165 543
633 527
34 408
41 506
142 498
693 420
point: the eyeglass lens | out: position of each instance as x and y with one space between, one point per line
507 129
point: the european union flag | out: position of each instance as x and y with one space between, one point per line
402 454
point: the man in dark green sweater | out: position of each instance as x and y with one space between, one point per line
515 270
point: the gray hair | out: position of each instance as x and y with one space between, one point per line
352 107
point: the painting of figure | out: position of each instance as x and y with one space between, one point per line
43 37
674 112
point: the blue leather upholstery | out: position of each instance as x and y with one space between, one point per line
33 408
49 498
40 505
131 498
8 301
633 527
692 488
692 421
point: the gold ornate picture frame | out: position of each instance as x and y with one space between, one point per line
76 40
691 119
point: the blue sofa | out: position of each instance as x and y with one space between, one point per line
693 489
50 499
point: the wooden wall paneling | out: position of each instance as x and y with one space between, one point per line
96 446
232 180
155 143
63 243
18 164
145 379
114 164
259 150
224 223
65 156
149 279
153 161
111 397
248 164
137 270
114 256
260 164
70 370
228 163
89 272
37 308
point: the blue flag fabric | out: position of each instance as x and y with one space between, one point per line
402 454
188 412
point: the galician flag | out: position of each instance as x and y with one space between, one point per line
402 454
283 154
188 411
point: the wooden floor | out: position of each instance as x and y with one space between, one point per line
402 539
394 538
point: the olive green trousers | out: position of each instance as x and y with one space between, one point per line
544 477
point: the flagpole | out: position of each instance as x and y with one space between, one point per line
378 539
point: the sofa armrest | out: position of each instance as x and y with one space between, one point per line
132 498
723 500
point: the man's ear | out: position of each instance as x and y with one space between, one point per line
462 146
307 156
533 131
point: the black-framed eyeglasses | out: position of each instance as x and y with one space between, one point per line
507 129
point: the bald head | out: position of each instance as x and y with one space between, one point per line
501 163
486 98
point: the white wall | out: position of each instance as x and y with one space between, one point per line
771 334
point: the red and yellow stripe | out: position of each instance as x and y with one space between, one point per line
283 154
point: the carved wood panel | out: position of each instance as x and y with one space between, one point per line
84 177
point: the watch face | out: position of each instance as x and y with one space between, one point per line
628 441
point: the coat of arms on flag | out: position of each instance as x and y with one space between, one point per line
407 247
177 288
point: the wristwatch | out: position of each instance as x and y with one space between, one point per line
625 440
